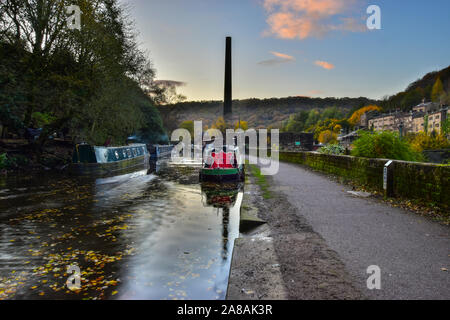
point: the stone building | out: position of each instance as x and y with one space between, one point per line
418 121
364 120
436 119
382 122
347 140
426 107
413 121
403 121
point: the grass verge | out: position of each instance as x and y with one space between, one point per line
261 181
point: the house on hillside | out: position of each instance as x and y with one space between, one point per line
426 107
347 140
437 118
412 121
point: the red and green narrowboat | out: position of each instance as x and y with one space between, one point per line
222 165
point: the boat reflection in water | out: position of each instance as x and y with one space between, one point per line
183 233
158 235
223 197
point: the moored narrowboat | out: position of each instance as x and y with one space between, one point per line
95 160
158 151
222 165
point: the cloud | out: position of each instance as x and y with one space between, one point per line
282 55
280 58
324 64
315 92
300 19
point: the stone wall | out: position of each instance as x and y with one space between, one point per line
437 156
424 181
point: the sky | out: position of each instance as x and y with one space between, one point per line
317 48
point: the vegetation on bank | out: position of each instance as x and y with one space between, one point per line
389 145
91 85
422 141
261 181
384 145
333 149
9 162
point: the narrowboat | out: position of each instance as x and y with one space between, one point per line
95 160
222 165
158 151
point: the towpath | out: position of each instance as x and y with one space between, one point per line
412 252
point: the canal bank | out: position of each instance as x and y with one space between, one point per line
283 258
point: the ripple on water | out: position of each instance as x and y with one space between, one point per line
172 244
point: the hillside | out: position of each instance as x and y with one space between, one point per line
417 91
263 113
258 113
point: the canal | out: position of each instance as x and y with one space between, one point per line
151 234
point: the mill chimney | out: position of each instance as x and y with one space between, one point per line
227 104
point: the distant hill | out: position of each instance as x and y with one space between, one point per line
417 91
262 113
430 78
259 113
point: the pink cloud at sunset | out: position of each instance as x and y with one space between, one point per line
324 64
300 19
282 55
280 58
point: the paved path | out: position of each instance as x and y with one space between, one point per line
409 249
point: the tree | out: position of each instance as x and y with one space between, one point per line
412 98
446 127
296 122
385 145
313 117
337 128
423 141
356 116
189 126
327 137
331 113
241 124
95 83
444 99
167 92
220 124
438 89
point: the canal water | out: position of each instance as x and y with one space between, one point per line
144 235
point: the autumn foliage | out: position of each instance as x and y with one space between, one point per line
327 136
356 116
422 141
